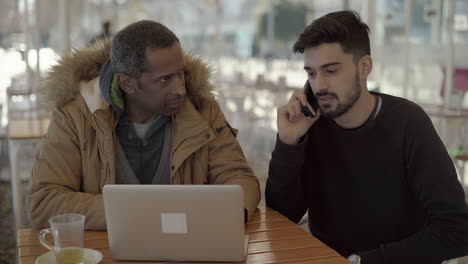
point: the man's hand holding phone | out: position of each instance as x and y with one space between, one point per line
292 123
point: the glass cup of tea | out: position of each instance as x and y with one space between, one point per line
67 232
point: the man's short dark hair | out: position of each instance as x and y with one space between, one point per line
128 52
343 27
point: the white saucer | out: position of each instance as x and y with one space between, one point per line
91 256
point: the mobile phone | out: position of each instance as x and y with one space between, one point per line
312 106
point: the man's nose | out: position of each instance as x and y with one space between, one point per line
320 83
179 86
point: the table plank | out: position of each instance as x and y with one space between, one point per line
106 253
284 244
28 232
28 260
35 233
327 260
101 242
292 255
330 260
31 260
255 227
266 210
111 261
31 251
278 234
267 217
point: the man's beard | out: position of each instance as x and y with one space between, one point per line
341 107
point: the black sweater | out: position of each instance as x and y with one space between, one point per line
387 190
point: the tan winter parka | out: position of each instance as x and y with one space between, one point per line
77 156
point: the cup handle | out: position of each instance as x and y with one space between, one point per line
42 239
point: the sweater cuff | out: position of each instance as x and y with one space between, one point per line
291 155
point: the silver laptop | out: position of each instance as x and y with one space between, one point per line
175 222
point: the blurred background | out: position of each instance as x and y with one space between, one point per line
419 49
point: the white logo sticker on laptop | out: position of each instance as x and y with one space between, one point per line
174 223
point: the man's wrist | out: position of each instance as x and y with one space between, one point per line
289 141
355 259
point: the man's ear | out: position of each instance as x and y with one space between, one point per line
127 83
365 67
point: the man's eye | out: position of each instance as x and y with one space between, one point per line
331 71
165 79
311 74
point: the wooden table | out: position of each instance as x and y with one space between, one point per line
272 239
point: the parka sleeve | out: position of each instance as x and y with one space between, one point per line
227 163
55 185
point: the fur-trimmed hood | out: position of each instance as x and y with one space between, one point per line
65 80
